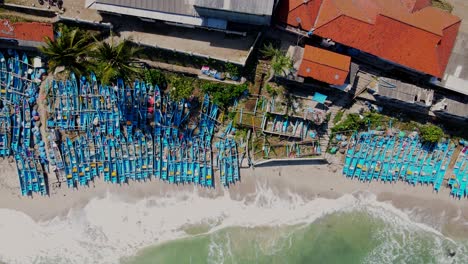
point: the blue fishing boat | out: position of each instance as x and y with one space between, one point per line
92 155
21 173
135 172
42 187
26 139
235 161
150 158
126 159
15 136
68 166
100 154
86 158
157 156
80 162
107 159
4 80
143 155
120 162
113 161
164 159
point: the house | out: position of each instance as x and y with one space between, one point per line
325 66
407 34
24 35
451 108
212 14
400 94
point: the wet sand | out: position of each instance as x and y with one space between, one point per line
436 209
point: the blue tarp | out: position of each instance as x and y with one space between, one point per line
320 98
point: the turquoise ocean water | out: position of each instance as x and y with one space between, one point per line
351 237
263 228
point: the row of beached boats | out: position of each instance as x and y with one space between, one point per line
391 158
19 123
118 132
130 133
227 161
137 157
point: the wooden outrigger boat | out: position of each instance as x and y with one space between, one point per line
208 165
150 158
235 161
135 172
68 166
26 139
87 161
143 156
41 178
120 163
107 159
21 173
113 158
74 161
126 159
100 154
164 159
59 162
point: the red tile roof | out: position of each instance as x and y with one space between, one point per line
26 31
406 32
324 65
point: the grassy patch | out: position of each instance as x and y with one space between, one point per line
442 4
338 117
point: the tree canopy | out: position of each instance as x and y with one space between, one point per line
70 50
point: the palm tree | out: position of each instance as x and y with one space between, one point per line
116 61
280 63
69 50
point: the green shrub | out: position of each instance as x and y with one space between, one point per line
338 117
223 95
180 88
442 4
232 69
351 123
431 133
156 77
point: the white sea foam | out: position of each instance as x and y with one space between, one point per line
109 228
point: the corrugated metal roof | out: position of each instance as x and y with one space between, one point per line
258 7
186 7
183 7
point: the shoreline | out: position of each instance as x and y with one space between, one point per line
439 210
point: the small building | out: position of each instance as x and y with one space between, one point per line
409 35
24 35
325 66
451 108
214 14
402 94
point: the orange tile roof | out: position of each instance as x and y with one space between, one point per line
369 25
26 31
324 65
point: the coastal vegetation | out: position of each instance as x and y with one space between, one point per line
431 133
180 87
222 94
280 62
116 60
70 49
78 51
442 4
155 76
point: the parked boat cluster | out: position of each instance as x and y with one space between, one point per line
20 123
130 133
458 180
393 158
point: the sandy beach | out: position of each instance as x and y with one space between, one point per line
308 181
